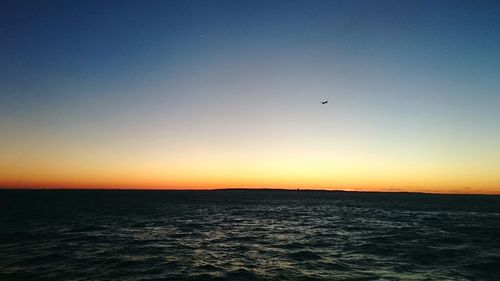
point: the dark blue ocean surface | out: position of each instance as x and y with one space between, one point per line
247 235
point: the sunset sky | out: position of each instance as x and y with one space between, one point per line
216 94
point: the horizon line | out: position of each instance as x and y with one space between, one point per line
243 189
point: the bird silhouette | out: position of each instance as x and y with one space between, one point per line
324 102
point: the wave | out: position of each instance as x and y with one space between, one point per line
247 236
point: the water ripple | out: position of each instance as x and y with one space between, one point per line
247 235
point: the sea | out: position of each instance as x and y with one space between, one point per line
247 235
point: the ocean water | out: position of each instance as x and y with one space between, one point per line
247 235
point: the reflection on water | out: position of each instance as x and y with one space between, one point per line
247 235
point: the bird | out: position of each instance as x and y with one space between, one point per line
324 102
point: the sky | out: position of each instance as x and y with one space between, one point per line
217 94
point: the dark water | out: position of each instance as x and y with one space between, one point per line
247 235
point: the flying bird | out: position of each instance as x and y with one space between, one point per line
324 102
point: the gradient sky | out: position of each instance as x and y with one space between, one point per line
209 94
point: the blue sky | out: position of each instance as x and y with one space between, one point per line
409 83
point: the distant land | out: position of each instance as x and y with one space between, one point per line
238 189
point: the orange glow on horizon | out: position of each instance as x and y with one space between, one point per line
319 162
215 186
